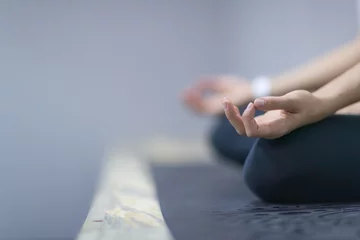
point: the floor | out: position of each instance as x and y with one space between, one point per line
126 205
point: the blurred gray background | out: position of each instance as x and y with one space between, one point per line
118 67
73 73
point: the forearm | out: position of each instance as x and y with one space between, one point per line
317 73
353 109
341 92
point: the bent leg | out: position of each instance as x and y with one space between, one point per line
316 163
228 144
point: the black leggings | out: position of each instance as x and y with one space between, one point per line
316 163
228 144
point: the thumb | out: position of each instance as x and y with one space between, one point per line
275 103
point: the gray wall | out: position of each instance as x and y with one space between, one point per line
121 64
71 70
267 37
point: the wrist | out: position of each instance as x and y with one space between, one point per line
327 104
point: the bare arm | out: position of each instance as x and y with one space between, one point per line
297 108
317 73
353 109
310 77
341 92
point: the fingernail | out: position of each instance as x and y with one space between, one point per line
249 105
225 104
259 102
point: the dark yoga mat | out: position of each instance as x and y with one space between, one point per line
212 202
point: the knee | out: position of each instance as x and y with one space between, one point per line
221 137
303 166
228 144
268 172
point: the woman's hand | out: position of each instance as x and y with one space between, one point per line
283 114
206 96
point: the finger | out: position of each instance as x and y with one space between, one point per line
215 83
275 103
268 128
189 96
193 99
233 115
272 126
251 127
210 83
213 105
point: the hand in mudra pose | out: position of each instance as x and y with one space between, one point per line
197 99
333 80
283 114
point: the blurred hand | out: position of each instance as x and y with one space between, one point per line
283 114
206 96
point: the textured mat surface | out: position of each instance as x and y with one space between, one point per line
211 202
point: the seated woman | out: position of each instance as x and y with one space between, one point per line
299 151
